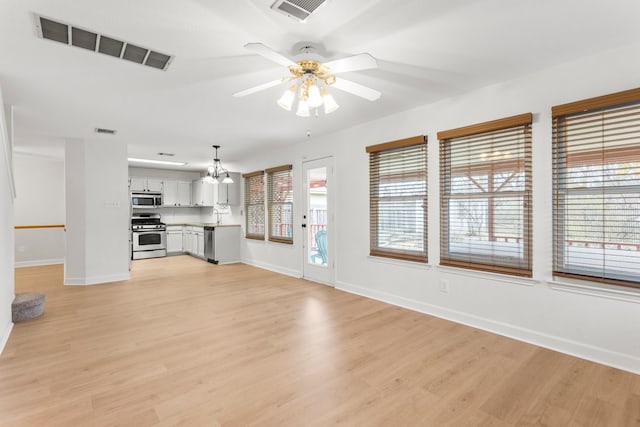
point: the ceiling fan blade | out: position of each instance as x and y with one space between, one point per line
269 53
356 89
258 88
363 61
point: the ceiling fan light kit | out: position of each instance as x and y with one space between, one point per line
312 79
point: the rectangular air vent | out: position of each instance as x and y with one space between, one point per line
90 40
104 130
300 10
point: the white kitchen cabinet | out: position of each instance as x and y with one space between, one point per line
184 193
187 240
203 193
177 193
229 194
146 185
199 242
174 239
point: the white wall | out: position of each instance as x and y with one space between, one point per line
598 323
39 200
97 214
6 225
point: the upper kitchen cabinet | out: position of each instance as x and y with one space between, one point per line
146 185
177 193
229 194
203 193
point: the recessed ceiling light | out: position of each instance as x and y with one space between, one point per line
157 162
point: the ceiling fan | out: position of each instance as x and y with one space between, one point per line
312 78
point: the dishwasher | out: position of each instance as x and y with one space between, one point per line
210 244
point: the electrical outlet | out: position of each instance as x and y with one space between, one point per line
444 286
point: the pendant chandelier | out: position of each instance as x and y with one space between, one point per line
217 173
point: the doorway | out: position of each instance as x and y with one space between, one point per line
317 221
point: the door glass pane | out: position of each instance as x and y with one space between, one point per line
317 248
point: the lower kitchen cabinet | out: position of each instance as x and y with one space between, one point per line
174 240
199 242
190 239
193 241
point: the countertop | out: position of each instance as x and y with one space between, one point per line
200 224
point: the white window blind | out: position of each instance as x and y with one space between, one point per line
280 203
398 199
596 198
485 196
254 205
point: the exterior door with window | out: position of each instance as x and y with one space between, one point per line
317 221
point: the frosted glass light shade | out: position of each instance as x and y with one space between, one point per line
303 109
330 104
315 100
286 100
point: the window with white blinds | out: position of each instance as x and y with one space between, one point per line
280 203
596 198
398 199
254 205
485 196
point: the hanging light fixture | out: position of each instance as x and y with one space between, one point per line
216 172
310 90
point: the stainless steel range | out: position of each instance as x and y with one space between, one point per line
149 236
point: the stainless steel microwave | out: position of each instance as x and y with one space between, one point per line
146 200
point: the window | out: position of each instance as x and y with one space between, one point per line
596 180
398 199
485 196
254 205
280 204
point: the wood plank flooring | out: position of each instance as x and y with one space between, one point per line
187 343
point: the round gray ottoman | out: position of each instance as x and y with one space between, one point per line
27 305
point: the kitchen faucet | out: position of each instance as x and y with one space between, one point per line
218 217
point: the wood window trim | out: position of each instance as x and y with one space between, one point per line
523 272
251 174
280 240
597 279
604 101
254 237
394 255
406 142
279 169
493 125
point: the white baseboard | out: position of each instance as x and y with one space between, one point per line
38 262
5 338
274 268
600 355
96 280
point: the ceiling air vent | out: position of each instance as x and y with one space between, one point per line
85 39
299 10
103 130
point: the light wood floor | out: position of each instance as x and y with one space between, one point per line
189 343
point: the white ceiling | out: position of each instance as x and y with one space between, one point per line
426 50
